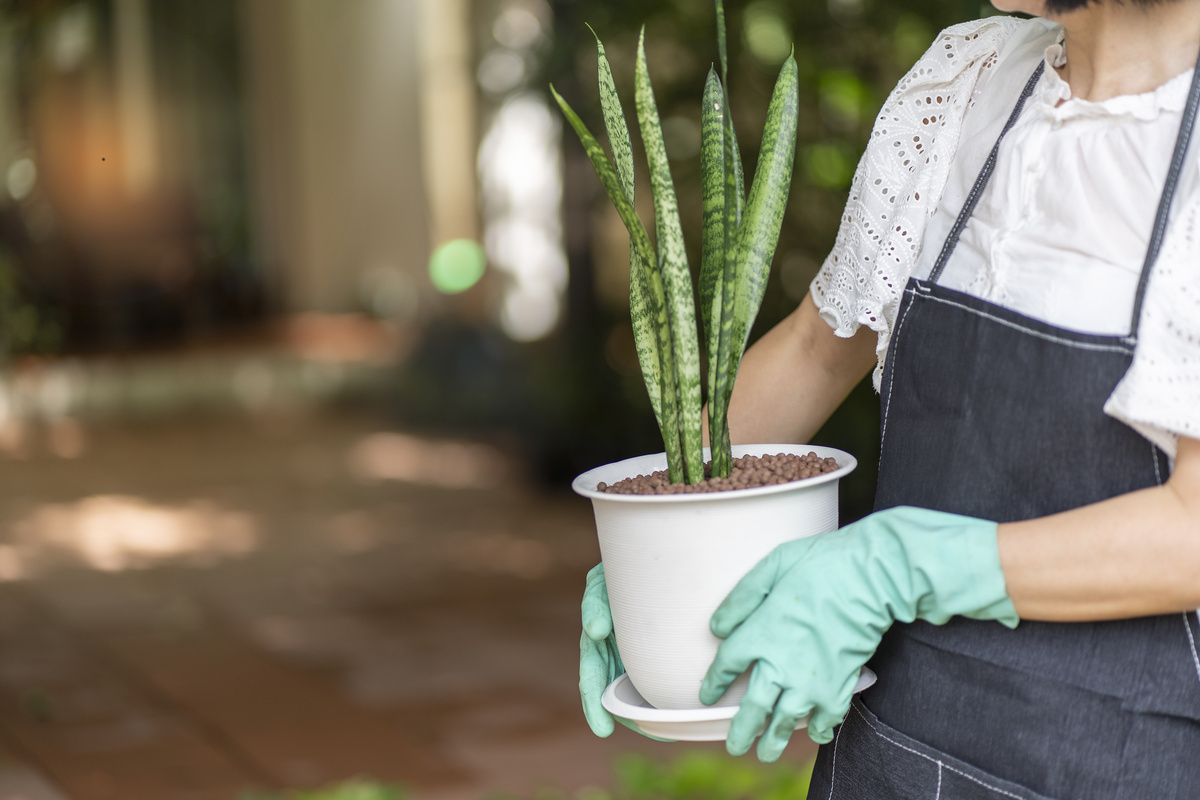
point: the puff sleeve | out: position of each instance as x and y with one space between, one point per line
1160 394
900 179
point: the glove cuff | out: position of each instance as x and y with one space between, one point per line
957 560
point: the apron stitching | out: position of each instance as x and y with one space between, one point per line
833 770
938 796
1154 457
971 778
888 405
1188 627
1108 348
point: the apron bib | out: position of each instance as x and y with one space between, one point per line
992 414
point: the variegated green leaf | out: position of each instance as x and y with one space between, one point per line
722 54
614 120
750 249
656 308
645 337
722 376
759 232
737 156
712 262
676 277
712 184
739 179
612 184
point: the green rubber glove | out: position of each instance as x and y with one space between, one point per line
812 613
599 661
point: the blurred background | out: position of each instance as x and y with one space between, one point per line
309 311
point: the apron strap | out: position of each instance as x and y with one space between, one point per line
1164 203
982 181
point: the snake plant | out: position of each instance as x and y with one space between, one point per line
738 241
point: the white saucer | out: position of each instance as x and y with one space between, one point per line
708 724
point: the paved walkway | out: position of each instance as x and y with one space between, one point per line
192 608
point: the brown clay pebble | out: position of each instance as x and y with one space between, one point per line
748 472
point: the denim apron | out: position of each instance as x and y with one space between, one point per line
991 414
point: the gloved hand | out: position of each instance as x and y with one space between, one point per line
813 612
599 661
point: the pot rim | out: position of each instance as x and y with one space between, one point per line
585 484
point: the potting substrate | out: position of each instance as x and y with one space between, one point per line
748 472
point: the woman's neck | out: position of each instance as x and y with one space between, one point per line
1116 49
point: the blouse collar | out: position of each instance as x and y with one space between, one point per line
1052 89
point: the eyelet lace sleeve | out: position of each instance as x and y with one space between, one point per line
900 179
1160 393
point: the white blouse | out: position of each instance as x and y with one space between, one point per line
1061 231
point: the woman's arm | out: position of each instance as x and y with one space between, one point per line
794 377
1131 556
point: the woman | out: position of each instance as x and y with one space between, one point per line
1020 257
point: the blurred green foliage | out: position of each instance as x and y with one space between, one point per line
706 776
351 790
26 326
693 776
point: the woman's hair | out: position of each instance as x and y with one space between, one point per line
1062 6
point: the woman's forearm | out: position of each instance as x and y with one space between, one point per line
1131 556
794 377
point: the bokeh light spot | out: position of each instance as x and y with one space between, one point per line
22 175
844 99
457 265
517 28
768 35
829 165
501 71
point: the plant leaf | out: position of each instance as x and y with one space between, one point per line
722 367
722 54
611 182
712 182
712 262
750 246
640 306
759 231
614 120
739 178
676 277
730 134
654 313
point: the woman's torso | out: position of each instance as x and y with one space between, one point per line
1062 229
997 412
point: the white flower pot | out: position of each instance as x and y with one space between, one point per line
669 561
